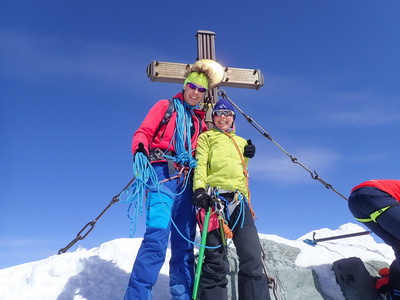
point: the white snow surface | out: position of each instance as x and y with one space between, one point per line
51 278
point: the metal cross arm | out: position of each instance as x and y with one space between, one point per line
233 77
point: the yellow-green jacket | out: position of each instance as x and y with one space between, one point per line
219 163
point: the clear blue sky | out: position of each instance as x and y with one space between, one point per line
74 89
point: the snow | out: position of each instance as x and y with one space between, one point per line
103 272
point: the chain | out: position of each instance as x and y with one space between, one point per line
90 225
261 130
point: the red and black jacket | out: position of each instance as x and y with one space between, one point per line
153 136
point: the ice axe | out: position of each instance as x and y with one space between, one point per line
200 258
314 241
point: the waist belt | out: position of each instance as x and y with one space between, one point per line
157 154
225 192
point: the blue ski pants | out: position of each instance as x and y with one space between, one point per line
168 215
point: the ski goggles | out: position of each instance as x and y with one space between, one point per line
226 113
194 87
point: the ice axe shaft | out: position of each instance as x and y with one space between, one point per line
200 258
314 241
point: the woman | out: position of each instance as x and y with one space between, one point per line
222 159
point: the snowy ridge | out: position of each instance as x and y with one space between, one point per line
103 272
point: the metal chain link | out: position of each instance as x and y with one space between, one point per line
90 225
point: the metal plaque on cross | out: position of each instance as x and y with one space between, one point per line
233 77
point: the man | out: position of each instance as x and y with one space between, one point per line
168 137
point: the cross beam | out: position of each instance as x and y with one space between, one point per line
233 77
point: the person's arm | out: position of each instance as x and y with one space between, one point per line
147 129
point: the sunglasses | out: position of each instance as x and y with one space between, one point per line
226 113
194 87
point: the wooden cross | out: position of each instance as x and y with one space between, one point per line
233 77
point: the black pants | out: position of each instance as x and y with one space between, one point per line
252 281
394 283
365 201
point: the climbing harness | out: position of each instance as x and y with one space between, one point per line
376 214
261 130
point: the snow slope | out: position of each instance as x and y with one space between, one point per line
103 272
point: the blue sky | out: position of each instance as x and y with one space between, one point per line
73 89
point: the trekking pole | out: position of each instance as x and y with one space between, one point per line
201 253
314 241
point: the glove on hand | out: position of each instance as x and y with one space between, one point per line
201 198
249 150
141 149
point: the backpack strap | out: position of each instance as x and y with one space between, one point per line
167 116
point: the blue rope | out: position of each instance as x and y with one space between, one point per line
145 177
183 136
241 199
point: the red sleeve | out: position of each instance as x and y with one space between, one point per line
147 129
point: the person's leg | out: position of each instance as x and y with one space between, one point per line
394 282
363 202
151 255
213 279
183 231
252 281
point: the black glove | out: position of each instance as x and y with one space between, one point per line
249 150
201 198
141 149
